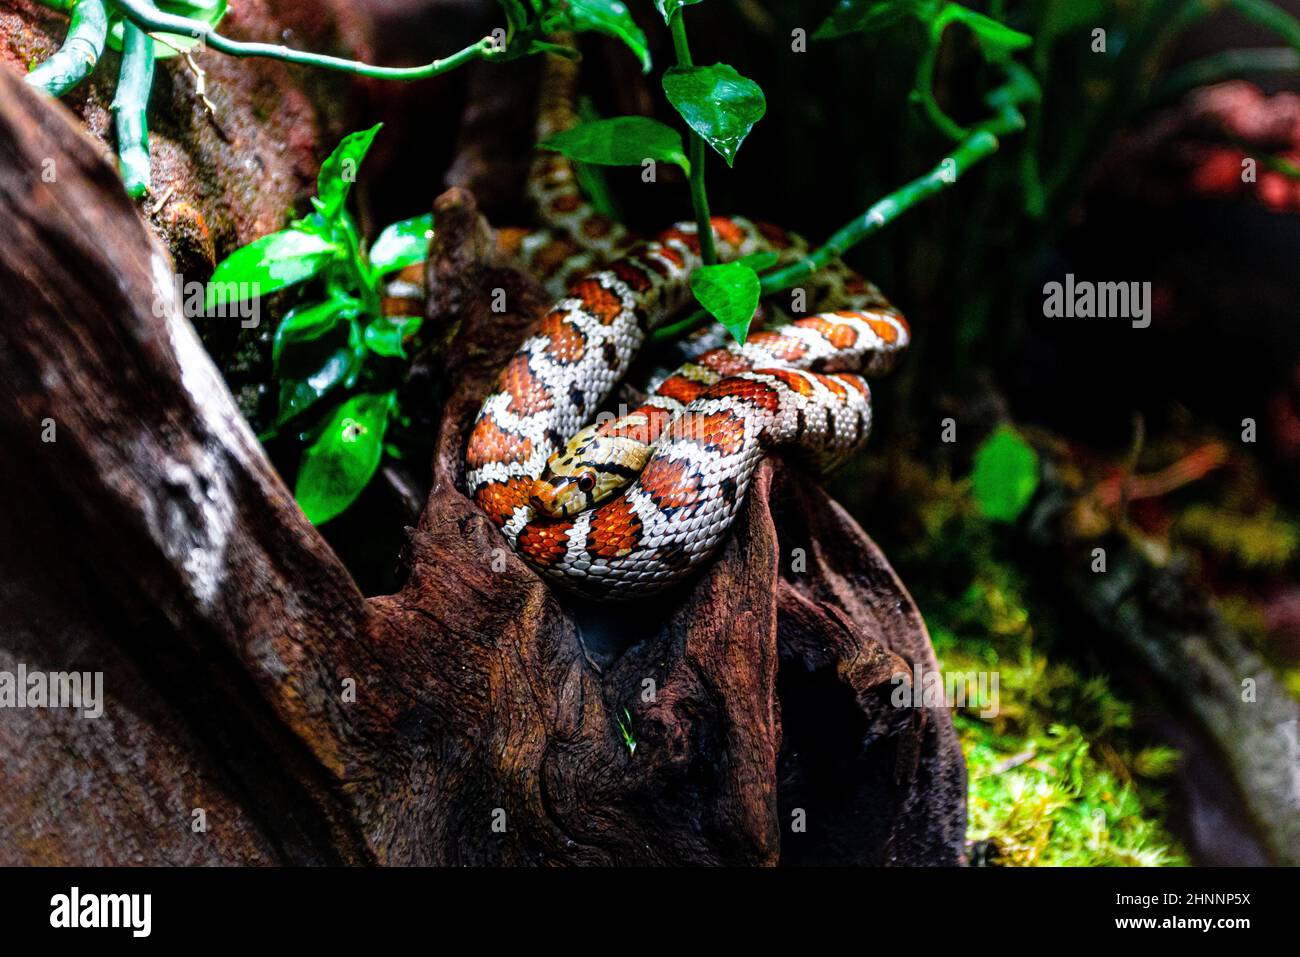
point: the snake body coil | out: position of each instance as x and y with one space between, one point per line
686 455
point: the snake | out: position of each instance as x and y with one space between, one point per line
616 504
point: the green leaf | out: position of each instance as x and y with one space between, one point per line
270 263
339 171
386 335
620 141
306 323
1005 476
299 394
169 44
717 103
995 39
610 17
316 369
667 8
861 16
342 460
402 244
729 291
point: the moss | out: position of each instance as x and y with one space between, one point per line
1058 775
1263 541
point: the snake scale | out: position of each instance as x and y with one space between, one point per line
623 505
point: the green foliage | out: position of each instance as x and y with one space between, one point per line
863 16
308 376
401 244
336 359
170 44
1058 775
271 263
1005 476
995 40
620 141
624 722
530 21
387 336
339 172
1059 808
667 8
1260 541
340 463
717 103
307 323
609 17
730 291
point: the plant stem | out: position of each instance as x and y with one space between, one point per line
697 153
130 105
980 143
1227 64
149 18
1272 17
591 178
75 60
975 147
925 80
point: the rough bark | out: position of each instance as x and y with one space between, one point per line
152 540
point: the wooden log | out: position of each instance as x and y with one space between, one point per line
471 717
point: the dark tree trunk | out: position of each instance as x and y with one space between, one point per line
473 716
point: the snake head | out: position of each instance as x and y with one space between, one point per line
590 469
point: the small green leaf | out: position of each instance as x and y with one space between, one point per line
267 264
860 16
1005 476
170 44
995 39
402 244
667 8
305 323
340 368
729 291
318 367
610 17
620 141
717 103
342 460
386 335
339 171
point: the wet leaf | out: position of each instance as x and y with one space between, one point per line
340 463
717 103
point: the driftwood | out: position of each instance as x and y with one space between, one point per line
473 716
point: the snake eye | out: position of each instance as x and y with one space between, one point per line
586 482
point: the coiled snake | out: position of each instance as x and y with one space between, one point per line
634 503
